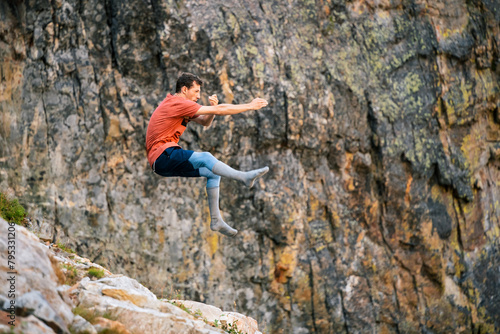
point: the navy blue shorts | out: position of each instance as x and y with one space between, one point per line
174 162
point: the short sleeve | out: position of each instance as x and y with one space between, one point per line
186 108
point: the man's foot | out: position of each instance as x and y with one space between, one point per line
252 175
248 178
218 225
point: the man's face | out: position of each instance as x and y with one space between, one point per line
193 93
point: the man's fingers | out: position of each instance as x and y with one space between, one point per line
213 100
260 102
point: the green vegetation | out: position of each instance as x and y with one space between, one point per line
65 248
97 273
198 313
229 328
110 331
182 307
71 274
11 210
91 316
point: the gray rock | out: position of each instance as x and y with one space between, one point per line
30 324
144 320
35 303
36 279
80 325
377 108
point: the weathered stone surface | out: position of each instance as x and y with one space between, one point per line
80 325
139 309
133 308
29 324
103 324
215 315
382 135
124 288
143 320
34 303
36 280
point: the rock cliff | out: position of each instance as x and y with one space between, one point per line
381 209
56 291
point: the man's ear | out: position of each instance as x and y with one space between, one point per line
184 90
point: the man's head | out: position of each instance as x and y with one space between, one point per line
189 86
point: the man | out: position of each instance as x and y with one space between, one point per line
165 156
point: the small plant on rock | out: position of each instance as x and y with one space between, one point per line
231 328
97 273
71 274
110 331
65 248
182 307
198 313
11 210
91 314
88 314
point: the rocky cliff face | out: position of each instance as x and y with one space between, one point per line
381 209
52 291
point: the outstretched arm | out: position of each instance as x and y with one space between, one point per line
232 109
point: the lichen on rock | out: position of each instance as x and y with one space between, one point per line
381 208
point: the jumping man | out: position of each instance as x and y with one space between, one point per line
167 158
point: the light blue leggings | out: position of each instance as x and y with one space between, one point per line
204 162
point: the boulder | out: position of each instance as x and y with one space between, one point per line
81 326
143 320
115 302
35 303
214 315
36 280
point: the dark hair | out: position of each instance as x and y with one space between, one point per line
187 79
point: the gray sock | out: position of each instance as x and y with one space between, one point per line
248 178
217 224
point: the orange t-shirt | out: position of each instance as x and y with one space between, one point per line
167 124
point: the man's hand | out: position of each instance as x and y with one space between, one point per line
230 109
213 100
258 103
206 120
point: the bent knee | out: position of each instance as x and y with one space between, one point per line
206 156
203 159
